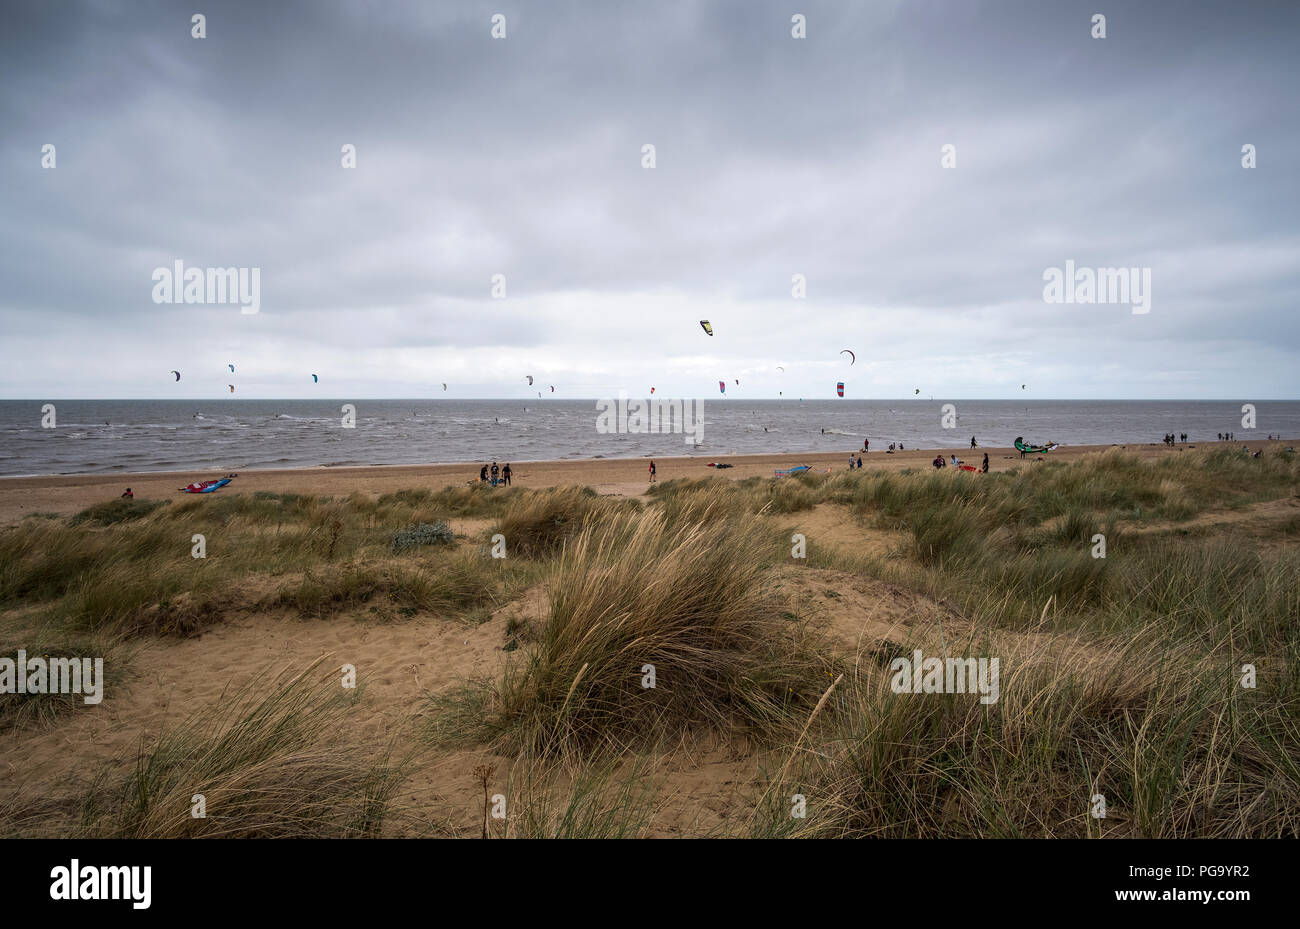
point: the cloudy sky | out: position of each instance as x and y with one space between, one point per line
775 156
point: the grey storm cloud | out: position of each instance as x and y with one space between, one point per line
775 156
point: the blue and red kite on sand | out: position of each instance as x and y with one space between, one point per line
207 487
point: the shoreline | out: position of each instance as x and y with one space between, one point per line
65 494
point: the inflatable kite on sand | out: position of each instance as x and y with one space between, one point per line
207 487
1026 449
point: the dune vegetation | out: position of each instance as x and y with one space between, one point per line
1143 615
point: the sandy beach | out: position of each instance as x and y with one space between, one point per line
275 596
64 494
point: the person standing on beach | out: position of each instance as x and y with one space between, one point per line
128 495
505 474
985 467
482 475
859 461
866 445
972 442
652 471
495 473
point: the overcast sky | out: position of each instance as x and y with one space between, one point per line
775 156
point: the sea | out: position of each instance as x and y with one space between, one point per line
208 436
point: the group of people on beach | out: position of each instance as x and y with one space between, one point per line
497 477
1229 436
1172 439
939 462
893 446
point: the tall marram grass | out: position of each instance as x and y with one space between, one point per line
1164 733
268 767
537 524
688 600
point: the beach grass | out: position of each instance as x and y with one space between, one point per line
265 766
1127 601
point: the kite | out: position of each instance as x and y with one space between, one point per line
1024 447
652 391
1022 386
704 324
315 379
852 357
231 367
722 387
552 388
839 388
781 369
530 379
444 386
178 375
737 382
232 387
206 487
918 390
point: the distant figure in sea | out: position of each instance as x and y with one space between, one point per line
482 474
496 473
128 495
985 467
505 474
652 468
